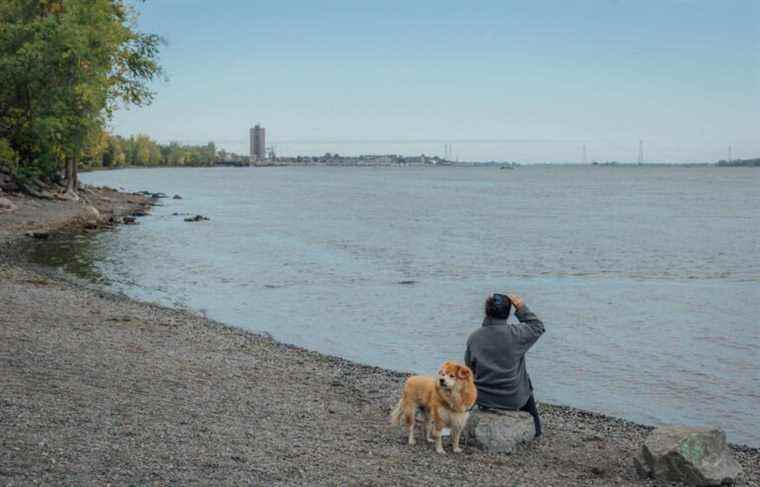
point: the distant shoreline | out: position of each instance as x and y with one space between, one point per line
433 166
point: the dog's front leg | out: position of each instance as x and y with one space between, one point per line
412 441
455 432
438 440
437 430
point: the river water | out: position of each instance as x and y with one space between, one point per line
647 278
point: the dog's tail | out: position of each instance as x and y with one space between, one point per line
397 412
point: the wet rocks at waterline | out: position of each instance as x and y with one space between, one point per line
197 218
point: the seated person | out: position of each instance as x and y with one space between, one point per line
496 354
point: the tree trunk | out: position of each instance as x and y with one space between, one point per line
72 180
75 172
69 176
66 171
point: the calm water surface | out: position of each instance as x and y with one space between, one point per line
648 279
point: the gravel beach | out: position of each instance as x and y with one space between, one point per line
99 389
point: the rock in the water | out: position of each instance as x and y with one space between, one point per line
498 432
92 217
694 456
156 196
129 220
6 205
177 197
196 218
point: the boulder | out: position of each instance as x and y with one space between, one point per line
129 220
92 216
498 431
177 197
6 205
694 456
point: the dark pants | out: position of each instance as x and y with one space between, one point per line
530 407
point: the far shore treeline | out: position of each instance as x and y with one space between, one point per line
140 150
65 67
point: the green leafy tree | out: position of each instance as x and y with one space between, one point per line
142 150
8 156
65 66
113 155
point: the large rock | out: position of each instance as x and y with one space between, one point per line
92 216
694 456
498 431
6 205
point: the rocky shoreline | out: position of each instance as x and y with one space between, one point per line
101 389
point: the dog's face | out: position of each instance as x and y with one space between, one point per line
451 373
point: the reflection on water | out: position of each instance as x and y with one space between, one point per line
647 278
73 254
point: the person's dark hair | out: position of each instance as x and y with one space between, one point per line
498 306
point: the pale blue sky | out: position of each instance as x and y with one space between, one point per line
527 81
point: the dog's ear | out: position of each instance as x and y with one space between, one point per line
445 367
463 373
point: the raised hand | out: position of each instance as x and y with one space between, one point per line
517 301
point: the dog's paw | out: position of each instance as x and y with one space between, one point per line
457 450
412 441
440 450
430 440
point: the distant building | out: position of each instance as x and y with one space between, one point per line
258 143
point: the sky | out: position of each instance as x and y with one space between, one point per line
526 81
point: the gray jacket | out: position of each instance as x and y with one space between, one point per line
496 354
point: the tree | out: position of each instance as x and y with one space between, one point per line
141 154
209 153
94 149
114 155
65 66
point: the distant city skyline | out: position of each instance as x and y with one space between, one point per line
530 82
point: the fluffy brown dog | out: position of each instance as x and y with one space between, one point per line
445 401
